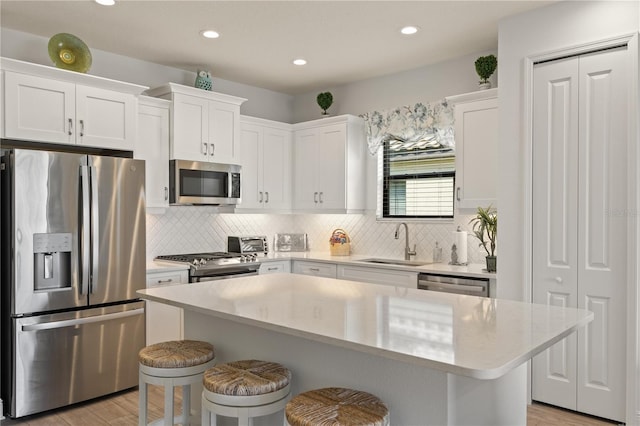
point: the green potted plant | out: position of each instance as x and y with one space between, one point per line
485 229
485 67
324 99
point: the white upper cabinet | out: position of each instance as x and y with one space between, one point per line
205 125
265 148
152 145
47 104
476 135
329 165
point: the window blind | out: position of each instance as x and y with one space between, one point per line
418 181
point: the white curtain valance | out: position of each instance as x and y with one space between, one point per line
430 123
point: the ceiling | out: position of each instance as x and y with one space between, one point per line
343 41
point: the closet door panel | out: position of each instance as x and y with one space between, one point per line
555 201
602 237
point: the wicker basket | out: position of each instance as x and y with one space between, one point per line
339 243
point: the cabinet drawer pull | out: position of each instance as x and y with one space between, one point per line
70 127
165 281
314 269
272 269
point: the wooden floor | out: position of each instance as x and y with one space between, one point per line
122 409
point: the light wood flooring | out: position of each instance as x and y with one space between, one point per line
122 409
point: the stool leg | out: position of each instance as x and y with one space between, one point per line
206 415
186 405
243 417
168 403
142 401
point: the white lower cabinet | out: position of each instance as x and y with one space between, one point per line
164 322
281 266
378 276
319 269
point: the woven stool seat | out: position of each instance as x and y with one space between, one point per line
170 364
246 378
176 354
336 406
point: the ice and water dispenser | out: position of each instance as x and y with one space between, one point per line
52 261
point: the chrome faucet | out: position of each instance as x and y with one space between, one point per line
407 250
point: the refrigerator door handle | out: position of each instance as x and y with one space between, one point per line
86 230
80 321
95 245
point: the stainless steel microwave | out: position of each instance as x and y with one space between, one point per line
199 182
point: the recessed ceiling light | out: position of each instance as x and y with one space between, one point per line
299 61
209 34
106 2
408 30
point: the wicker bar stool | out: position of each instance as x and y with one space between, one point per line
336 406
170 364
244 389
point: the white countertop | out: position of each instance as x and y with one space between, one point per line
465 335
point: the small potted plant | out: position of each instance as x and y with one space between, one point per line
485 229
324 99
485 66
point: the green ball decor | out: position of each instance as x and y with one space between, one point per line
69 52
485 66
325 100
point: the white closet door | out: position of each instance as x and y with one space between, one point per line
579 226
602 236
555 213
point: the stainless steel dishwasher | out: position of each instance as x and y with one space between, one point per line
452 284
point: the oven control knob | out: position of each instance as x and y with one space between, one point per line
195 262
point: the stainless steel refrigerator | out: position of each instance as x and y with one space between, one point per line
73 256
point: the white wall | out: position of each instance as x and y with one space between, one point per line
261 103
428 83
554 27
557 27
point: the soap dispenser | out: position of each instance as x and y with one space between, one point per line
437 253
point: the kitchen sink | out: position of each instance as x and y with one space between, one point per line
396 262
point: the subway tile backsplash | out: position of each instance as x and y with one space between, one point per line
186 229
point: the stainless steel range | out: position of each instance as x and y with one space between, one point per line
215 266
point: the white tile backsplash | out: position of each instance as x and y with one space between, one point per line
187 229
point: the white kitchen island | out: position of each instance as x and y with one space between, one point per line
434 358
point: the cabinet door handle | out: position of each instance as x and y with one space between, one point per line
70 127
166 193
81 128
321 200
314 269
213 149
165 281
458 193
260 197
266 195
315 197
205 148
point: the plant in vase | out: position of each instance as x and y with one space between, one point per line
485 66
485 229
324 99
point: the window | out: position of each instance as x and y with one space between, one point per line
418 180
